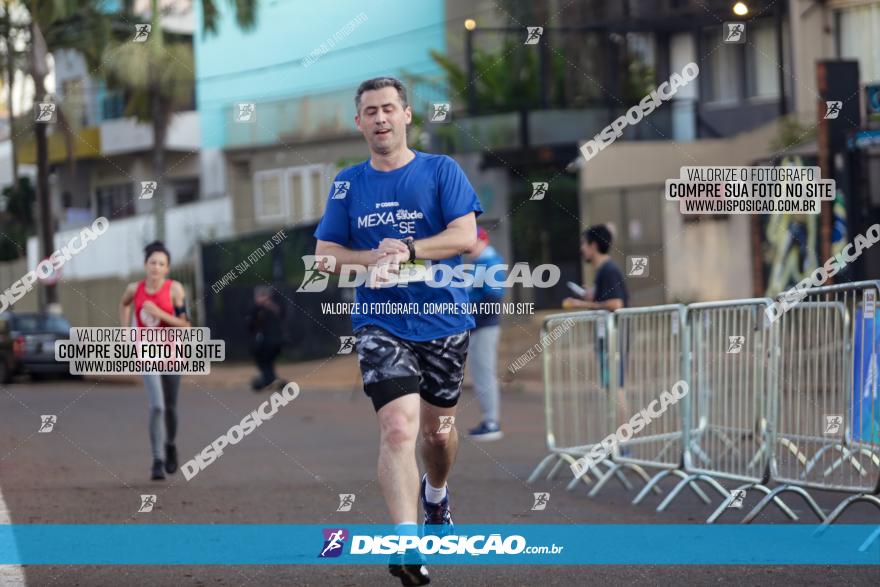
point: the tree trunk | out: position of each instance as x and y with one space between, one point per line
44 202
39 70
10 76
159 115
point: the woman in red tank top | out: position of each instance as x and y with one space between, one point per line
158 302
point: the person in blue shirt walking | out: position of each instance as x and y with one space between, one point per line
483 352
403 205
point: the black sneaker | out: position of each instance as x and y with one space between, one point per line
158 470
410 575
170 459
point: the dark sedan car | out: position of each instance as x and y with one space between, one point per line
27 344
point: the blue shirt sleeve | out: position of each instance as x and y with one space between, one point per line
335 225
457 196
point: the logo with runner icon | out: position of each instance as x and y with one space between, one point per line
334 541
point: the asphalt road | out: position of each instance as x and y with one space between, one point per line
94 465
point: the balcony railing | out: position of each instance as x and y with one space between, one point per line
537 128
313 117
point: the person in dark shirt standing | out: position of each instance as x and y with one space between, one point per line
609 290
609 293
264 323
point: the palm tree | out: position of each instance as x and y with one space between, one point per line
8 34
158 75
53 26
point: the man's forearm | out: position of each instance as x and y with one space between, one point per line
343 256
610 305
449 243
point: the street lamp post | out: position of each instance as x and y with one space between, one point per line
470 25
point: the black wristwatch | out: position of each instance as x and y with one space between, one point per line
411 245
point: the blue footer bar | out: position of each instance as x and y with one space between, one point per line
257 544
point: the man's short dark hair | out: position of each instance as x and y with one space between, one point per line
156 247
600 235
377 83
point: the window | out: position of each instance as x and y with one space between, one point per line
41 323
185 190
724 77
112 105
873 164
116 201
858 34
762 67
307 192
270 204
298 198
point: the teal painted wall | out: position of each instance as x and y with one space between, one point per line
266 64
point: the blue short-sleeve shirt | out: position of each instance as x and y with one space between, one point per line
417 200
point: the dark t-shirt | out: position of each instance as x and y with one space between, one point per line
609 284
265 324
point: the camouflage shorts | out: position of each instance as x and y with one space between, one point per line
393 367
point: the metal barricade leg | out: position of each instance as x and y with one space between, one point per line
845 455
762 488
618 469
687 481
534 476
793 448
652 486
838 511
555 469
602 477
772 496
612 469
653 483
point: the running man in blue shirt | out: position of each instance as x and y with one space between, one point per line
403 205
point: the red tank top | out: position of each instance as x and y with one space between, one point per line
161 298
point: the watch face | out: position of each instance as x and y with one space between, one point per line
410 272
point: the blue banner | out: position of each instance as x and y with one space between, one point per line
866 378
679 544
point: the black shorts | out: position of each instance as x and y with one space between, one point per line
393 367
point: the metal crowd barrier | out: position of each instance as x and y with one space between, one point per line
729 433
650 354
828 426
792 400
577 382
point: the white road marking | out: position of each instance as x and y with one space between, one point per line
10 575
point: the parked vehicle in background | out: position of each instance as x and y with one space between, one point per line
27 344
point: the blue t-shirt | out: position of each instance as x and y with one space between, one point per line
487 295
419 200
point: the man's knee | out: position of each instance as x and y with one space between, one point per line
434 438
398 428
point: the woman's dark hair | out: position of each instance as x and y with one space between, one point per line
156 247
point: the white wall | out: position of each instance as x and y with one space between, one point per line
126 135
6 166
119 251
